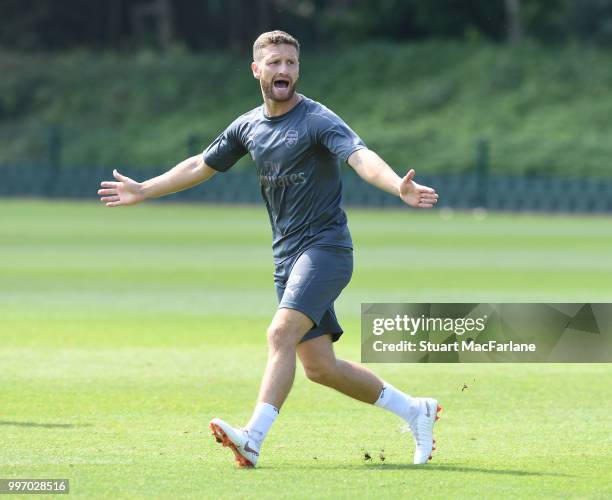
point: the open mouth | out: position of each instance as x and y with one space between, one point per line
281 84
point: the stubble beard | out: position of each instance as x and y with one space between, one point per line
268 91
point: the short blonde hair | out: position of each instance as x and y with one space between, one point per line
276 37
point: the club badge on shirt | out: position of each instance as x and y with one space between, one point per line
291 137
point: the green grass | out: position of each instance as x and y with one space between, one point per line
124 331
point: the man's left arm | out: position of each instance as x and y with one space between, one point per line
374 170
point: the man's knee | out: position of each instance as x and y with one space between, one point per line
283 336
287 329
321 371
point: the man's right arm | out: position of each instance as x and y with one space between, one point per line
126 191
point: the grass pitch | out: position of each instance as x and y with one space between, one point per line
124 331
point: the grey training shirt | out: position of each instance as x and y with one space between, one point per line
296 156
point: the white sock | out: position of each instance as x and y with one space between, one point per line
401 404
263 417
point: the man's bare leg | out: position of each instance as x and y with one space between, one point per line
322 366
284 334
355 380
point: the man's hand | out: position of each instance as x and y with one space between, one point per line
416 195
124 192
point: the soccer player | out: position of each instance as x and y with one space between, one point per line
295 144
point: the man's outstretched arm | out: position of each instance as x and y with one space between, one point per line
374 170
126 191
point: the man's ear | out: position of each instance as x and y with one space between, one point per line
255 70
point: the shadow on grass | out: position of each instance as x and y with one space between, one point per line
424 468
42 426
463 468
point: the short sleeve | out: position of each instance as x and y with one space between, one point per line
226 149
331 132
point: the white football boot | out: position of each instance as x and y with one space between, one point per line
245 449
422 429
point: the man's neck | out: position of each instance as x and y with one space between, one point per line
276 108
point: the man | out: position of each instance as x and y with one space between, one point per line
295 144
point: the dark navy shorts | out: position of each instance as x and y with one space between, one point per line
310 281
